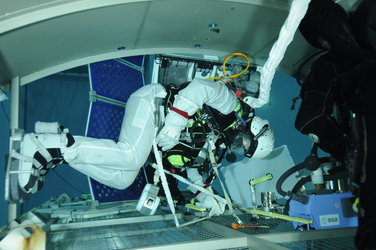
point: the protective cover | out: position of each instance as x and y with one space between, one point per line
238 175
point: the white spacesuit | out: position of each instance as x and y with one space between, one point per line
117 164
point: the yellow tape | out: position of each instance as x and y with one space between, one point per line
165 199
281 216
194 207
261 179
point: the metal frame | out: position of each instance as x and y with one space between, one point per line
229 238
14 124
308 235
222 236
111 222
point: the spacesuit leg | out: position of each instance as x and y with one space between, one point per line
101 159
111 163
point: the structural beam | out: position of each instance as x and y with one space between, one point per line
14 124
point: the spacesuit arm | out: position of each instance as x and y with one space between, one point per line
200 92
188 101
215 206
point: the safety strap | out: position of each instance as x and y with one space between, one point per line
40 148
164 179
162 173
208 146
200 188
209 143
180 112
21 157
227 197
36 164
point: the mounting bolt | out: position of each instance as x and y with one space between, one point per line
214 27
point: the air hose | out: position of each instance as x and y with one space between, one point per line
286 175
331 177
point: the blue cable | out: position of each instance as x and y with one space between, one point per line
241 119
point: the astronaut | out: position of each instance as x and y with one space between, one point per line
117 164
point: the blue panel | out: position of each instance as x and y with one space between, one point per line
137 60
117 81
114 79
105 193
105 121
325 210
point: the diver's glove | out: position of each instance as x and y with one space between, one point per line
217 207
169 135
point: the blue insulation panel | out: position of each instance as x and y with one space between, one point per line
136 60
115 80
118 81
105 121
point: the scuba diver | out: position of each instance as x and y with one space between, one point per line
200 108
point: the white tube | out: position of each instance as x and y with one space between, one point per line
14 103
317 176
297 12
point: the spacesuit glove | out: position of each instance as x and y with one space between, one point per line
207 201
169 135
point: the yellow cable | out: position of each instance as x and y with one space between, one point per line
281 216
261 179
194 207
224 67
230 56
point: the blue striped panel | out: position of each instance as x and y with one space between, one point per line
117 81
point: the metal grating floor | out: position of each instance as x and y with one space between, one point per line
275 225
156 233
126 236
126 230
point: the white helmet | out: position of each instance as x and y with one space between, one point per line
257 143
264 135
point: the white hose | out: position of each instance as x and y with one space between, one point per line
297 12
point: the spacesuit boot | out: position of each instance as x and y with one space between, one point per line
37 154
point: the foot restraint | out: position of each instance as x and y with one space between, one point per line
31 157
